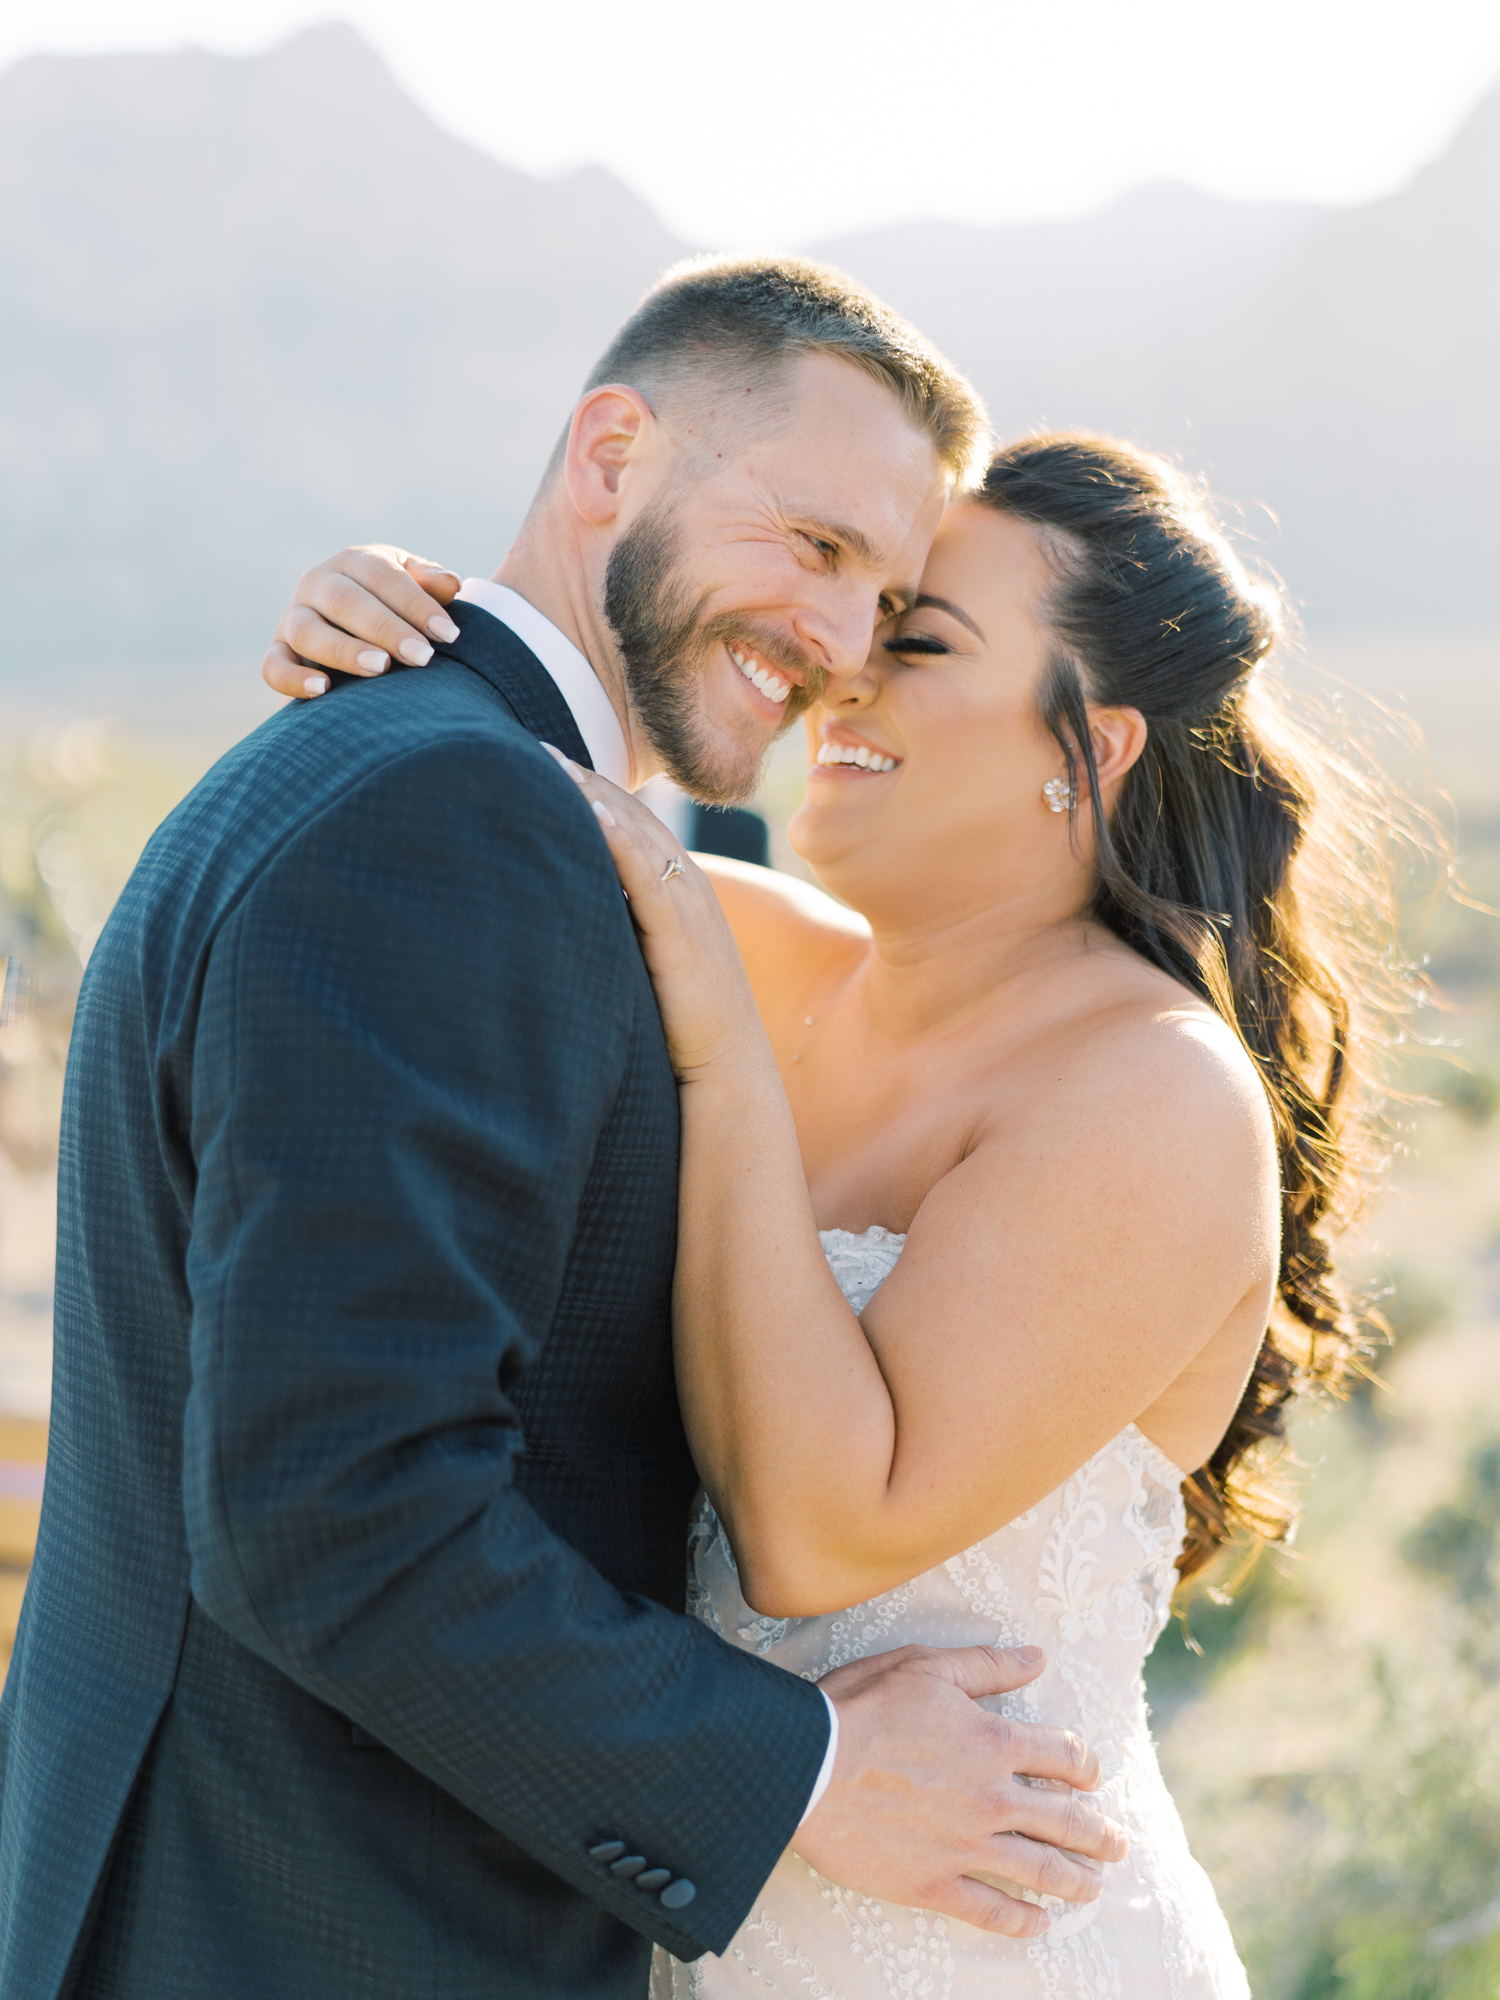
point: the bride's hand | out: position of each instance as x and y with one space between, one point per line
354 612
706 1005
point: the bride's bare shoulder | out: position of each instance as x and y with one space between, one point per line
1150 1057
777 918
1119 1043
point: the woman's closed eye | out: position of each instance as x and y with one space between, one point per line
916 642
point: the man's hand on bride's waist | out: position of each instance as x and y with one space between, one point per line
934 1800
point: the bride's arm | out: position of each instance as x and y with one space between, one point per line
1053 1285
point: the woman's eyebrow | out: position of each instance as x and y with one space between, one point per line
942 604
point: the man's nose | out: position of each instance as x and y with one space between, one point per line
839 634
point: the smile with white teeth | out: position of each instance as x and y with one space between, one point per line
759 675
856 753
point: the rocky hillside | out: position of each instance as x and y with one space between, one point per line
252 308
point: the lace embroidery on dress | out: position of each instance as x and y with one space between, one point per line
1087 1574
861 1264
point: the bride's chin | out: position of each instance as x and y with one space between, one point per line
805 837
822 847
831 816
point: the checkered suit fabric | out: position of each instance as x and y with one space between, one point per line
356 1613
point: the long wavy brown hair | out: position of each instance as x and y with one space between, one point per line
1243 856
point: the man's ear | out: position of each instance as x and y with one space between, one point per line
1118 736
610 427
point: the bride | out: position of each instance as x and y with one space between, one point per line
1006 1170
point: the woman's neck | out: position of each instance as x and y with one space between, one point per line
929 974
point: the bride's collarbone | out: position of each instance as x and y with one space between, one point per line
877 1161
904 1124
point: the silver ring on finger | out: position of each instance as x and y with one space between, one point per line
673 867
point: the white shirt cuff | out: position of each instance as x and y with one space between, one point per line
829 1757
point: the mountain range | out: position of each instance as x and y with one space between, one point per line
254 308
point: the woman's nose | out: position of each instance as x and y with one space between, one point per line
860 687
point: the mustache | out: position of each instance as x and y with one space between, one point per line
777 651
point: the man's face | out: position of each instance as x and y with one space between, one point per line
757 573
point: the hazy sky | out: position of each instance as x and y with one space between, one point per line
787 120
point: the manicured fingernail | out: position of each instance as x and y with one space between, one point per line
372 662
416 652
315 684
1028 1655
575 771
602 812
442 628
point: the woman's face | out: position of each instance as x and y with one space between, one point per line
948 700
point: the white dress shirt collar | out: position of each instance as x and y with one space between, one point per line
577 683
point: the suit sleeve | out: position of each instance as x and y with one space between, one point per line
408 1040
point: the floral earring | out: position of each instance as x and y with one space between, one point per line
1061 797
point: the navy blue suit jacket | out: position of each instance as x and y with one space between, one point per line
356 1618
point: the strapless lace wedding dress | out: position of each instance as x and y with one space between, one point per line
1087 1574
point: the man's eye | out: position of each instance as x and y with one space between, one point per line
827 550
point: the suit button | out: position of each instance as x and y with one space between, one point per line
677 1895
654 1878
607 1850
631 1865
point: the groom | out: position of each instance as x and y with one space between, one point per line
353 1661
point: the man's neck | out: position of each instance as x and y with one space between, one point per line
545 566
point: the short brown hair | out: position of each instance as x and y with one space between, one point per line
749 317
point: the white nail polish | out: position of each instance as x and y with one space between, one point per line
315 684
372 661
575 771
442 628
416 652
602 812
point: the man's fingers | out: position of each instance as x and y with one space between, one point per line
1061 1820
1045 1870
982 1670
990 1909
282 671
1036 1751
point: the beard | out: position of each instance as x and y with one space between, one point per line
666 645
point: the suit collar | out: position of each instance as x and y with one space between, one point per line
493 651
580 687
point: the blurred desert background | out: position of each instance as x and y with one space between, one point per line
218 362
